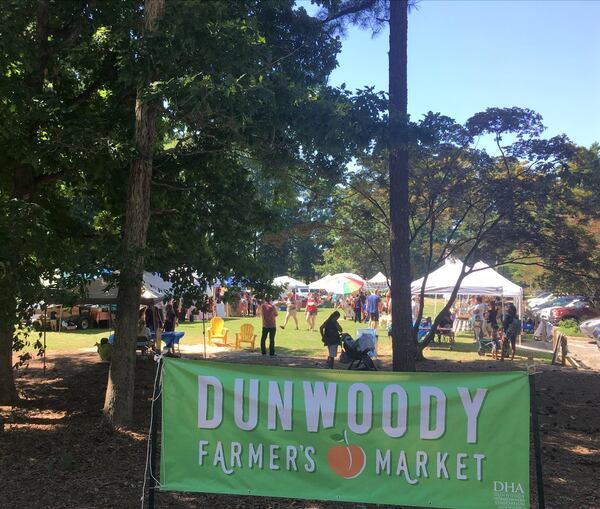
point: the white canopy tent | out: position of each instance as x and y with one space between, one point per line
99 291
288 282
483 281
320 284
378 281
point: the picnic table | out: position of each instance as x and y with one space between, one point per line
444 332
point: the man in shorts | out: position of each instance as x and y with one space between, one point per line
373 308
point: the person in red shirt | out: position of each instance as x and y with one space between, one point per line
269 327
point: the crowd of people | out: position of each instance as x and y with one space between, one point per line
369 307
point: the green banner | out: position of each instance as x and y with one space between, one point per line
457 440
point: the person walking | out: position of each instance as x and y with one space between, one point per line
312 304
269 327
477 311
373 308
331 332
291 310
357 309
492 319
170 318
511 328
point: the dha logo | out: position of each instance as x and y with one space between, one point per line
508 487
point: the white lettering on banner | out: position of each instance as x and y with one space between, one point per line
204 382
320 400
236 451
291 453
441 465
459 463
460 466
472 408
382 463
273 457
366 411
479 458
398 428
279 406
310 466
402 468
255 455
427 393
508 487
238 404
229 457
219 459
421 462
201 451
319 404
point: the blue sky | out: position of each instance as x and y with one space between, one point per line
465 56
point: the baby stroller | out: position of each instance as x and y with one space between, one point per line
356 353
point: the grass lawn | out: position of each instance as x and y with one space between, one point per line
291 342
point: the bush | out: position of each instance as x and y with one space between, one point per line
569 327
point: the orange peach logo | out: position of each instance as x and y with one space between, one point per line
347 460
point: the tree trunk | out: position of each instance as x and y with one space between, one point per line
23 185
403 347
118 403
8 392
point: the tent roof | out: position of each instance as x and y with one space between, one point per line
484 281
350 275
379 280
487 278
319 284
99 291
288 282
380 277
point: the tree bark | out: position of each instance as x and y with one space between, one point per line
23 185
118 403
8 391
403 347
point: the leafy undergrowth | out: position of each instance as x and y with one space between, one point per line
570 328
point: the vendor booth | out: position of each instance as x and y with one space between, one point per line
483 280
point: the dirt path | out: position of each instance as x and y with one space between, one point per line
585 351
54 452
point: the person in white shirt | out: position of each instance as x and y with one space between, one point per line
416 307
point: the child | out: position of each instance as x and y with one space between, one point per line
477 328
495 343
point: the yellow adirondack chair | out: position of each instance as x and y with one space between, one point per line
246 335
217 331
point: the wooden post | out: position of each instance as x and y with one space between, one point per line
563 349
536 440
559 340
156 416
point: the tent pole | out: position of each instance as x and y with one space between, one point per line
45 327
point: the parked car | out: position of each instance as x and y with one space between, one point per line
557 301
589 326
540 299
545 313
579 310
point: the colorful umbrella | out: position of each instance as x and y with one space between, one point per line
341 285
